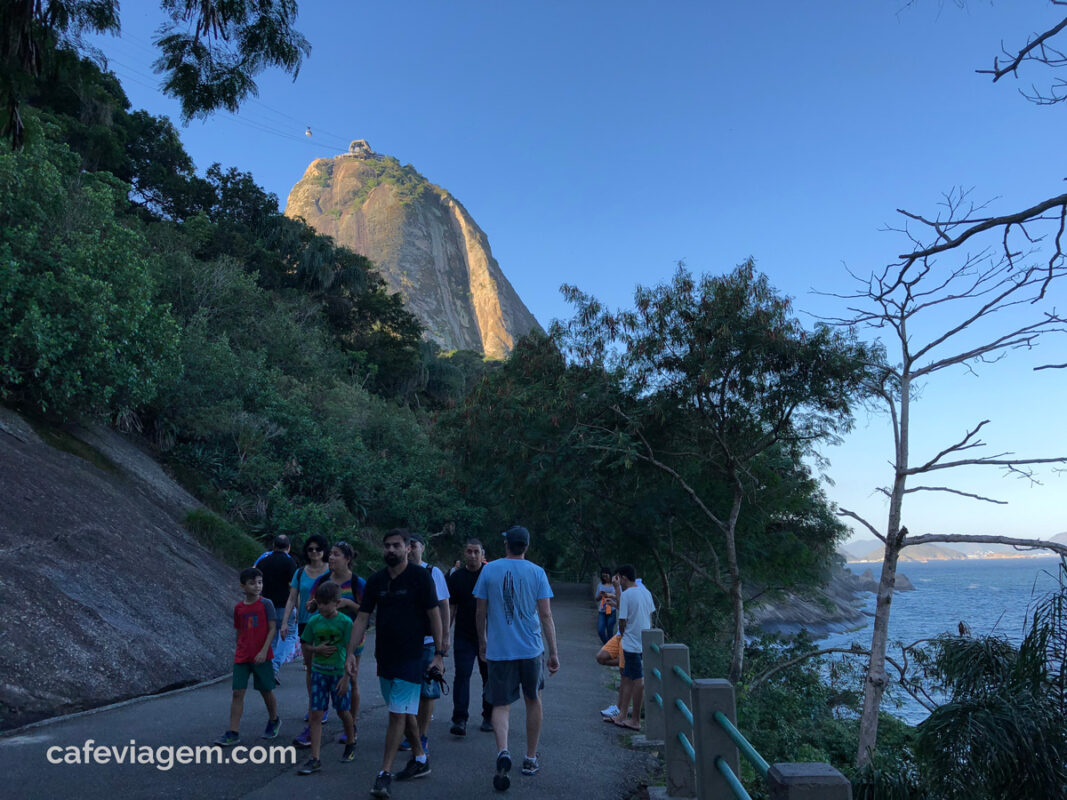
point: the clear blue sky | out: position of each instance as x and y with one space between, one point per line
600 143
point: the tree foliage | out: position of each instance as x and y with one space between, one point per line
211 50
82 330
728 392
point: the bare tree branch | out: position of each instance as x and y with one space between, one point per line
1018 544
844 512
955 491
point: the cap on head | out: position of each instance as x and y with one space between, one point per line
517 535
417 537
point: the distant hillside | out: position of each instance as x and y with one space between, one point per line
871 550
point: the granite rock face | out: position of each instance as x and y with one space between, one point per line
423 243
105 595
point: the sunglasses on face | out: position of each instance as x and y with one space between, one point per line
314 549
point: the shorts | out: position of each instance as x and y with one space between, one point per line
324 693
613 647
262 676
431 690
634 669
505 678
401 697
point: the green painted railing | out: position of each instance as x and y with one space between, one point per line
694 721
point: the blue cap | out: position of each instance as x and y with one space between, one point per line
517 534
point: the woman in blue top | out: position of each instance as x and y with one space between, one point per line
315 549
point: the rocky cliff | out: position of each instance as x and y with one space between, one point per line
104 595
422 241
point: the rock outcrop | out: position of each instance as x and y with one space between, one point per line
105 596
422 241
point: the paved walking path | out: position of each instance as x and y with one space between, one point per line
581 756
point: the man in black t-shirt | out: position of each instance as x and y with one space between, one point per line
465 644
278 567
403 594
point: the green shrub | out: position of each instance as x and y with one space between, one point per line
222 538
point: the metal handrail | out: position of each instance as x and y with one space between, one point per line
681 673
684 709
731 780
744 746
688 747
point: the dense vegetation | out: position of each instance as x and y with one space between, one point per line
285 386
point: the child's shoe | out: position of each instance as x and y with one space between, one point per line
311 765
304 739
349 753
228 739
272 728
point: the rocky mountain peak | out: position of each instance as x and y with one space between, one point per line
422 240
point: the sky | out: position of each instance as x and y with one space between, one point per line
599 144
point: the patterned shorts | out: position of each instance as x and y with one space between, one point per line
324 693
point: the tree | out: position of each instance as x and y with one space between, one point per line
729 383
83 328
211 50
993 299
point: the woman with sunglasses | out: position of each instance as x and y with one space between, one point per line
315 549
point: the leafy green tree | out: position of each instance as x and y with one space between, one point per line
211 50
83 331
729 382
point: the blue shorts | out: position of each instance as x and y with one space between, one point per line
633 668
324 693
431 690
401 697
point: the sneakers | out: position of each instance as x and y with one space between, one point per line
228 739
406 745
272 728
311 765
611 711
414 770
349 753
501 781
304 739
486 726
343 738
381 784
459 728
325 716
531 765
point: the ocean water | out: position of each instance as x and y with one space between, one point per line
988 595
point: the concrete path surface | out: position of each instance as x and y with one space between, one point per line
581 756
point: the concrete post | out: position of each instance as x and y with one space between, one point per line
653 662
680 772
711 741
811 781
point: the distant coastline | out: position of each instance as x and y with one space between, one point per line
963 557
871 551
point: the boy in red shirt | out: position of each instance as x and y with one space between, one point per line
255 621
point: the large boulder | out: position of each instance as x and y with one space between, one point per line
104 593
423 243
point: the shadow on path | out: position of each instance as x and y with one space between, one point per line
581 756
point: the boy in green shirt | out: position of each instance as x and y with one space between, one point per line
325 639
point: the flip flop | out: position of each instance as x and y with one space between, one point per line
626 726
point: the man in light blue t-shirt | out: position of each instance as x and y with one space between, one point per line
513 614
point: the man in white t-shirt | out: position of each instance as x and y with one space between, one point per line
430 691
635 615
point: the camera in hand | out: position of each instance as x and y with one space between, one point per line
435 674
